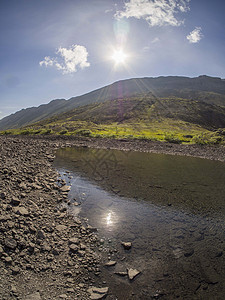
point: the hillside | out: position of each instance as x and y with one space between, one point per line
146 109
205 89
170 119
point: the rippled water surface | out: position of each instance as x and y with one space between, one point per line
171 208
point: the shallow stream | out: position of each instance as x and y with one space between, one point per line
172 210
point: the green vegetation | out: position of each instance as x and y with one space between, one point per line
166 130
171 120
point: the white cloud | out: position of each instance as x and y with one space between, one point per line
195 36
155 12
68 60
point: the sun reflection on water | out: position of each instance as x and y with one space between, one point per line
110 219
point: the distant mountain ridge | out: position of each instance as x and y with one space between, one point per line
206 89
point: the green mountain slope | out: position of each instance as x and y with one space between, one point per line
203 88
171 119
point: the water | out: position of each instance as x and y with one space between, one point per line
171 208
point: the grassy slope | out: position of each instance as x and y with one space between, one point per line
171 119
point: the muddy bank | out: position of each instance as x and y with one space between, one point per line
44 252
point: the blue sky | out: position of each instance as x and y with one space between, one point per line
51 49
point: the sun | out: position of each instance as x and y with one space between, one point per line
119 56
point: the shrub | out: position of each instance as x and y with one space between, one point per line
6 132
25 132
63 131
47 131
171 138
83 132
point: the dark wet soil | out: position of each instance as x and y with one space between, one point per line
171 209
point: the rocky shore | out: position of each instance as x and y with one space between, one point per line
44 252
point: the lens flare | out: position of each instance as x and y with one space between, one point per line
119 56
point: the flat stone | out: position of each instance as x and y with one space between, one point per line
65 188
110 263
95 296
8 259
132 273
97 293
100 290
63 296
61 227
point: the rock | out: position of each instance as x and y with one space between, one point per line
65 188
22 211
34 296
13 289
8 259
15 201
98 293
126 245
121 273
40 235
3 195
95 296
73 248
132 273
92 229
63 296
23 186
82 246
74 240
10 243
15 270
61 227
110 263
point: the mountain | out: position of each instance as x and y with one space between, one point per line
145 109
205 89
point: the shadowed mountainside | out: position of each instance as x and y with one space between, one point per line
145 109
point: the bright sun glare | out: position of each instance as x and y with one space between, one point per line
119 56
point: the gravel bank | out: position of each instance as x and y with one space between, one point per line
44 252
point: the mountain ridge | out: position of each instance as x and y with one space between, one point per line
207 89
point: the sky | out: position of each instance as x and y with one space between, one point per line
54 49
